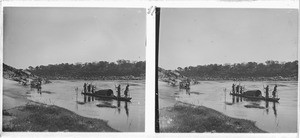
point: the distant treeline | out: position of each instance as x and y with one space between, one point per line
121 69
246 71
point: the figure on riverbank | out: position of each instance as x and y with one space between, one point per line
38 85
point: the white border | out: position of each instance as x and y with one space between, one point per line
150 58
278 4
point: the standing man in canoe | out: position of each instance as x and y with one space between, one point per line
233 86
237 89
241 89
93 88
89 88
267 91
119 90
126 90
84 87
274 91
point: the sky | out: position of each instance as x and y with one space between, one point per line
191 37
42 36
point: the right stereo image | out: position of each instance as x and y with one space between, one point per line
226 70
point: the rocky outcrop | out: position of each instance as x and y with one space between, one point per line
20 75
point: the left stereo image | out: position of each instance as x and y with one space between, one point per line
73 69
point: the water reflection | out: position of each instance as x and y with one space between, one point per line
274 109
256 104
126 108
267 107
119 109
106 103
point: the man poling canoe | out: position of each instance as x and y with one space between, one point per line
274 91
267 91
126 90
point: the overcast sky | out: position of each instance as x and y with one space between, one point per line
42 36
190 37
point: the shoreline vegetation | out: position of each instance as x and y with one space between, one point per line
183 117
250 71
102 70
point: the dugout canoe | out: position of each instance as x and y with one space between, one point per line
106 94
256 98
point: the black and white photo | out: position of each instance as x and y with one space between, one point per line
73 69
228 70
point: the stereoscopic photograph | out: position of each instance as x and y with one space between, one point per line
227 70
73 69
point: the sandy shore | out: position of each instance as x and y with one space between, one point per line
184 117
21 114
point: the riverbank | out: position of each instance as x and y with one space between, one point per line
21 114
184 117
37 117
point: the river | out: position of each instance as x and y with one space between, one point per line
122 116
269 116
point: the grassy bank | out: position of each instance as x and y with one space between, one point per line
39 117
189 118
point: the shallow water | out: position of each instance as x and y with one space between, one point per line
269 116
122 116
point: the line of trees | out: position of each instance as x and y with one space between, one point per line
98 70
242 70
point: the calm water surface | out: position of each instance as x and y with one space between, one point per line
122 116
270 116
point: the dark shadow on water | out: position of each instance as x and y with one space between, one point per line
48 92
254 104
228 103
197 93
80 102
106 103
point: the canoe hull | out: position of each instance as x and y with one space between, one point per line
257 98
109 97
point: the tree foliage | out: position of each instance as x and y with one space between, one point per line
91 69
242 70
